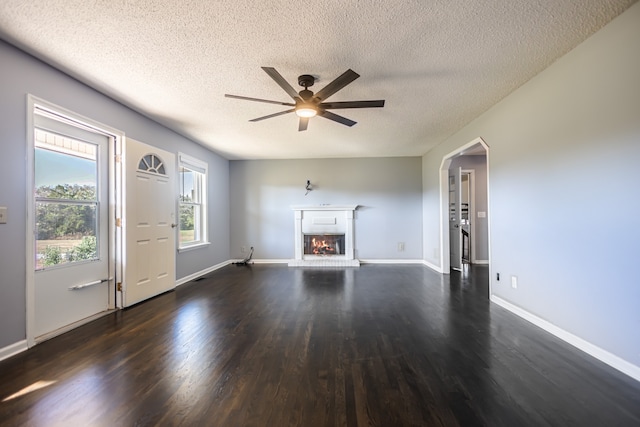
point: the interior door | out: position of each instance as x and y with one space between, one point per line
149 223
71 224
465 216
455 231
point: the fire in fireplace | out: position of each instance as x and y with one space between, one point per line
324 244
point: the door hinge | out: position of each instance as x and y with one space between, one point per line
119 287
118 222
118 158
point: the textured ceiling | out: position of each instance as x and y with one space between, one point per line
438 63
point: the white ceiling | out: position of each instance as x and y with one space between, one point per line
438 63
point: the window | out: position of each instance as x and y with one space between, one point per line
66 200
192 174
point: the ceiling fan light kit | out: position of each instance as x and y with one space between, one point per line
307 104
307 111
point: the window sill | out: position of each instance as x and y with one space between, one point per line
192 247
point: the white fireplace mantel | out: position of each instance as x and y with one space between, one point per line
324 219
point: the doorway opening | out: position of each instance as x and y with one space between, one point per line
464 203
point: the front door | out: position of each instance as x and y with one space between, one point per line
150 221
455 235
71 224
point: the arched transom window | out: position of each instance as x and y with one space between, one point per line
152 163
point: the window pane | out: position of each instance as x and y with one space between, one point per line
187 224
66 172
187 185
65 233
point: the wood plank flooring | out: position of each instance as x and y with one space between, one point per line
268 345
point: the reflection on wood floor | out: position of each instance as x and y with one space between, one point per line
268 345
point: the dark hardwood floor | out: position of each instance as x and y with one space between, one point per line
268 345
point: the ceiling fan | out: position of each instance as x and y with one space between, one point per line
307 104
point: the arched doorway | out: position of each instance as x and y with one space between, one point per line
470 158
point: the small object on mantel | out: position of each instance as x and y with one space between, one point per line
308 187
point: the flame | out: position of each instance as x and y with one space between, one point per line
321 247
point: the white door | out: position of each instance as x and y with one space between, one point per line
149 222
71 224
455 232
465 215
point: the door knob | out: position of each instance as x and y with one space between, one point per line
174 225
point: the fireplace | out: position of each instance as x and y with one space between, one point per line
324 236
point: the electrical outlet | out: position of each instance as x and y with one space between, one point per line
400 246
243 249
514 282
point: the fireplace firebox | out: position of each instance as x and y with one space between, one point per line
324 244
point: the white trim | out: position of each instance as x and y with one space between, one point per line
604 356
192 247
30 244
326 207
266 261
192 163
481 262
13 349
195 275
434 267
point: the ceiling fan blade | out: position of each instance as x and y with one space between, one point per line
246 98
273 115
302 125
352 104
336 118
340 82
281 82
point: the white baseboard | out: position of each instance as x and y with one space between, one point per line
268 261
604 356
13 349
434 267
190 277
391 261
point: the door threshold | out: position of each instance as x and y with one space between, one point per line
73 325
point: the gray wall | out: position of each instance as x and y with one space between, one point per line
22 74
563 189
389 190
479 241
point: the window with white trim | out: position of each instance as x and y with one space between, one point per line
192 174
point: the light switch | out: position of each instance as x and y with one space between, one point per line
3 215
482 214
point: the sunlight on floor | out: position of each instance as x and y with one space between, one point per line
33 387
